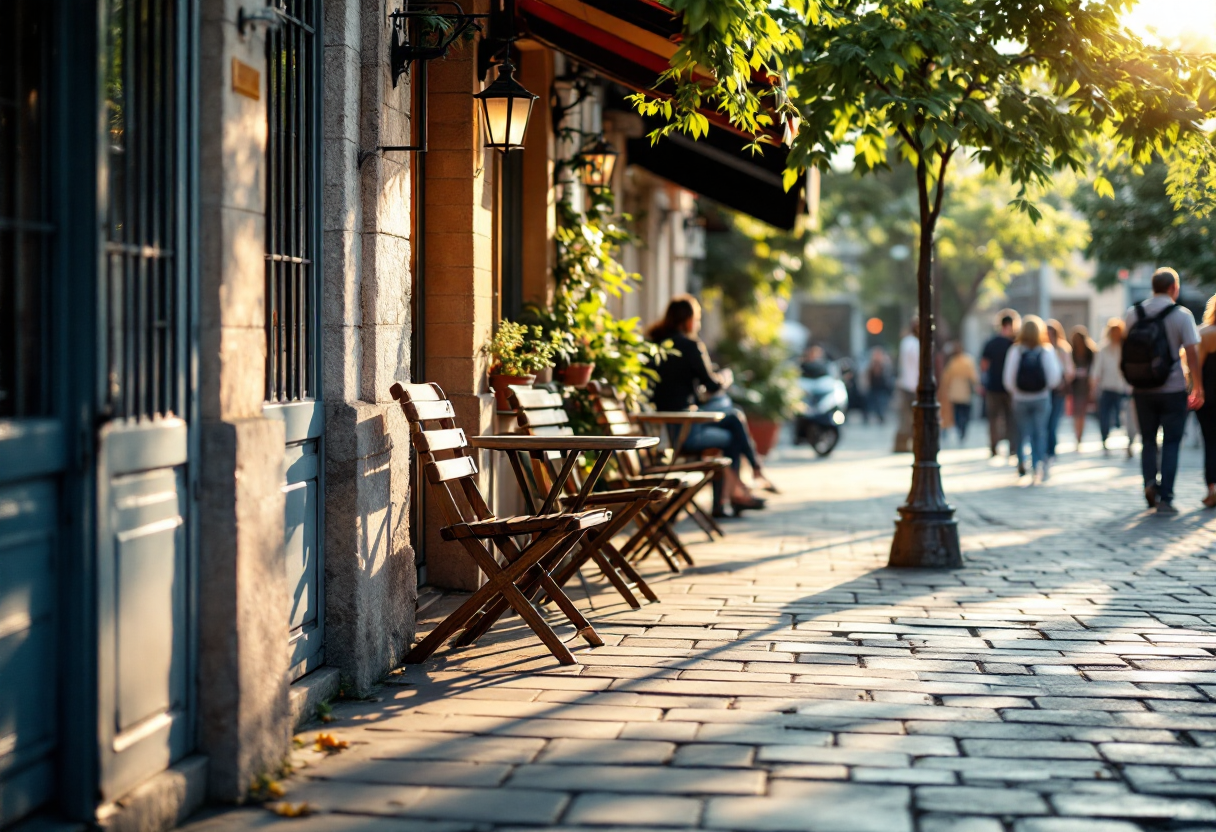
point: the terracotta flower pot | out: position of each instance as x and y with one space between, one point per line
500 383
764 434
544 376
576 375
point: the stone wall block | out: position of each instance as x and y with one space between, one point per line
341 359
342 72
371 585
341 205
244 718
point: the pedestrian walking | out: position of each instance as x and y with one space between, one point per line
1111 387
997 403
1207 413
1031 372
1158 329
878 375
1059 393
1083 352
905 385
959 382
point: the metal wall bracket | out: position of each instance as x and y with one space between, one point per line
427 32
265 15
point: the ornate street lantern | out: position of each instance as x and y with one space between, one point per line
597 164
506 107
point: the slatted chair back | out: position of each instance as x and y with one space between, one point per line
613 419
543 413
443 451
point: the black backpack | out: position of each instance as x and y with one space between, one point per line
1147 358
1031 376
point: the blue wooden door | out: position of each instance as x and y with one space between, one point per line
293 152
32 448
144 490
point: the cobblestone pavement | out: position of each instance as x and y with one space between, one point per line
1064 681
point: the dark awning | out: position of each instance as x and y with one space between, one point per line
719 168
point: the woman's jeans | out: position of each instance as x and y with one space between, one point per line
1110 404
729 436
1053 420
1032 416
962 415
737 425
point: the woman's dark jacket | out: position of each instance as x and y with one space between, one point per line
680 374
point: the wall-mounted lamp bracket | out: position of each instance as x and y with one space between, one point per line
435 27
265 15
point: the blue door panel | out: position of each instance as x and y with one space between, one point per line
151 602
28 543
143 602
303 423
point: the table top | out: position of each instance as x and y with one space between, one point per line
680 416
514 442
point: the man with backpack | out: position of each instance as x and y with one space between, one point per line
1157 330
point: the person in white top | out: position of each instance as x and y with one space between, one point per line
1032 371
1113 389
905 385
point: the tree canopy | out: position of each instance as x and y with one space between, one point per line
981 245
1139 223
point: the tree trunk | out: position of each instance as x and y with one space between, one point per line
926 533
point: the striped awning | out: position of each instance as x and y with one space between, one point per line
631 42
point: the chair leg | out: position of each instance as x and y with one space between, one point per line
671 536
539 626
614 578
626 568
494 610
491 590
585 630
698 517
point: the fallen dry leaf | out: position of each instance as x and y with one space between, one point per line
293 810
330 744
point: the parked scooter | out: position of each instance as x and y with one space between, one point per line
827 402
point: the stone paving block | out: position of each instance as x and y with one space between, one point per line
416 772
666 731
1145 754
438 746
956 823
1135 806
503 805
761 735
633 810
1073 825
970 800
640 779
1016 770
249 820
819 807
905 776
714 755
917 746
577 751
843 756
812 772
1045 749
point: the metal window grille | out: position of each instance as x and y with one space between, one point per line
25 219
144 302
291 203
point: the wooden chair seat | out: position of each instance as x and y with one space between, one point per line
525 524
618 496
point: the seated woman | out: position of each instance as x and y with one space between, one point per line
676 390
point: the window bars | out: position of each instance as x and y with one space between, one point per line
144 294
25 219
291 204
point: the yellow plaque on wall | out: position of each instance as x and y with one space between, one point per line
246 80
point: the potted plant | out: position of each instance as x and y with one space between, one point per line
518 352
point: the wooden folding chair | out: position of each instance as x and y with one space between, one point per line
445 458
685 481
541 413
